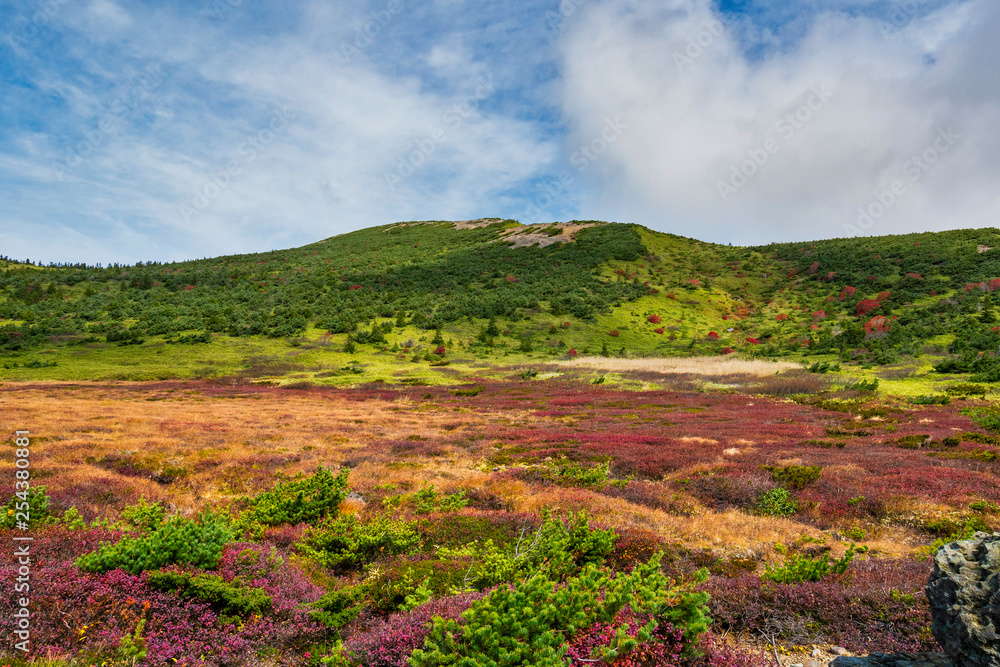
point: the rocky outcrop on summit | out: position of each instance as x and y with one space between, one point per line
964 594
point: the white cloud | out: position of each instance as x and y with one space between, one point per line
695 110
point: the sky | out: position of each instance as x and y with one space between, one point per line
137 131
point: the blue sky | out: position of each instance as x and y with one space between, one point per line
135 131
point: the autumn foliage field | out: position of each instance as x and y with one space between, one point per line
731 482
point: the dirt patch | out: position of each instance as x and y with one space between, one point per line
543 234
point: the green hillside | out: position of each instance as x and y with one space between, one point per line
408 298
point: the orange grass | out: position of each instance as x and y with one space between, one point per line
236 441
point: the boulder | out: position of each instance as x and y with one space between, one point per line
964 595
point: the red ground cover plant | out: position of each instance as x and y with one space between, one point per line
654 319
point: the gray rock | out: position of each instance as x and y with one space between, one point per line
964 595
839 650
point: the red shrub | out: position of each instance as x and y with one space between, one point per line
781 317
752 341
659 331
876 327
712 335
695 282
882 296
847 292
867 305
354 287
914 276
614 333
572 352
829 276
819 315
727 350
566 325
440 350
813 268
654 319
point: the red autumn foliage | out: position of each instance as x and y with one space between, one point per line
354 287
781 317
566 325
819 315
572 352
727 350
659 331
752 341
866 306
847 292
882 296
712 335
440 350
654 319
813 268
914 276
614 333
876 327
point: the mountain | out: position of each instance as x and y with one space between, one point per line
489 288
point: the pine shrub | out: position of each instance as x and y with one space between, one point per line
299 501
178 541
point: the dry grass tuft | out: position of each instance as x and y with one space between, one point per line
725 365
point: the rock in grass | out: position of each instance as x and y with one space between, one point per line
964 595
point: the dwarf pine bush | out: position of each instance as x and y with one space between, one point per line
346 542
529 624
178 541
798 568
230 598
299 501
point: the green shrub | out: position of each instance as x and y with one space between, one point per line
428 500
231 599
177 541
529 624
346 542
795 477
776 502
988 418
967 389
337 608
930 399
33 502
144 515
475 391
299 501
798 568
863 385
